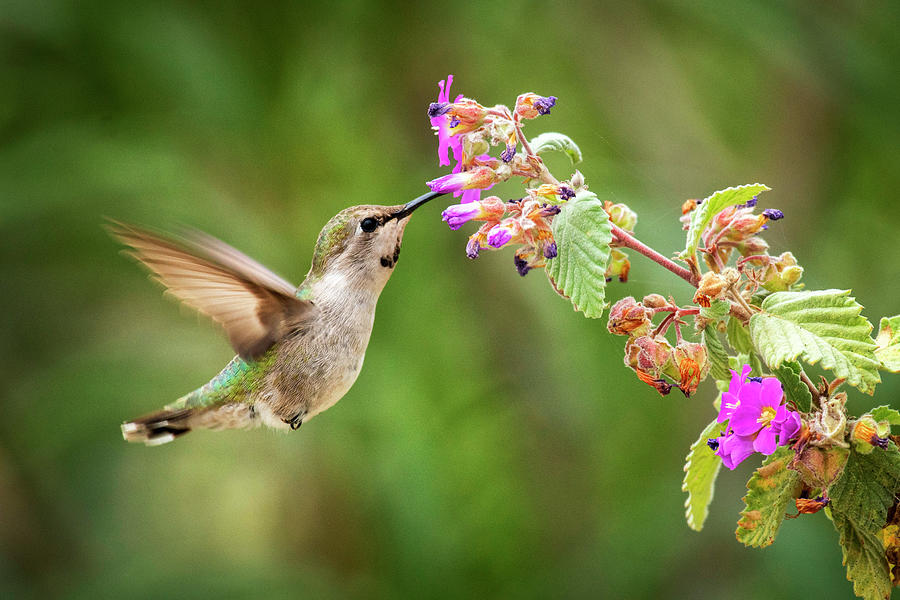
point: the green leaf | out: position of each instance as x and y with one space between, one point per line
713 205
885 413
716 311
552 141
859 505
797 391
888 343
582 235
700 470
739 337
718 358
821 326
771 489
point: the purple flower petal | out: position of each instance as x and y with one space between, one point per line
521 265
458 214
771 393
544 104
508 154
773 214
765 441
472 248
734 449
550 250
789 428
498 236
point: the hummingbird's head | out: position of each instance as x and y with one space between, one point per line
363 242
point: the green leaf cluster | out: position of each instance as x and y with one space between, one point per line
818 326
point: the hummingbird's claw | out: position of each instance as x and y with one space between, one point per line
296 421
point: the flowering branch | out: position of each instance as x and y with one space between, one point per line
816 454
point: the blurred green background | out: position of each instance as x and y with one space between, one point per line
494 445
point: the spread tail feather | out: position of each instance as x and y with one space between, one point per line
158 428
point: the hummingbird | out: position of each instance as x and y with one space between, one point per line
299 349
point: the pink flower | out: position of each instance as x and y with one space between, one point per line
478 178
757 419
502 233
491 208
441 124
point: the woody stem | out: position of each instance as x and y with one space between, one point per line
623 238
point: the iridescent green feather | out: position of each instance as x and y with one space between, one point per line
235 383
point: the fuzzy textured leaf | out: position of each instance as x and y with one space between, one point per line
859 505
739 337
718 358
552 141
886 413
716 311
713 205
818 326
794 388
771 490
582 233
701 467
888 343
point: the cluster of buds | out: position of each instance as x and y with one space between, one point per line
469 130
776 274
735 228
649 354
525 222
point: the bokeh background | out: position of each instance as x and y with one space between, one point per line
494 445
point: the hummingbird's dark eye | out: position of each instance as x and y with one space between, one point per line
368 224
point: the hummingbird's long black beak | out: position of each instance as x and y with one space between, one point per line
414 204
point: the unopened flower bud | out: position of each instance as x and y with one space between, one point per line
864 436
786 272
627 317
530 105
828 425
711 285
693 365
649 354
621 215
619 266
654 301
752 246
477 178
809 506
577 181
504 232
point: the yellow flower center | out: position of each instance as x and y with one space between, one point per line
765 417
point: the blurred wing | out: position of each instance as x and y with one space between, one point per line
255 306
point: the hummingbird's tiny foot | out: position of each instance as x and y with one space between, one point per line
296 421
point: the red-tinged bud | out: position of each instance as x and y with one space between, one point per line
619 266
649 354
712 285
627 317
621 215
477 178
693 365
752 246
465 116
654 301
531 106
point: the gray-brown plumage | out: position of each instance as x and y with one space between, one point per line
299 348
